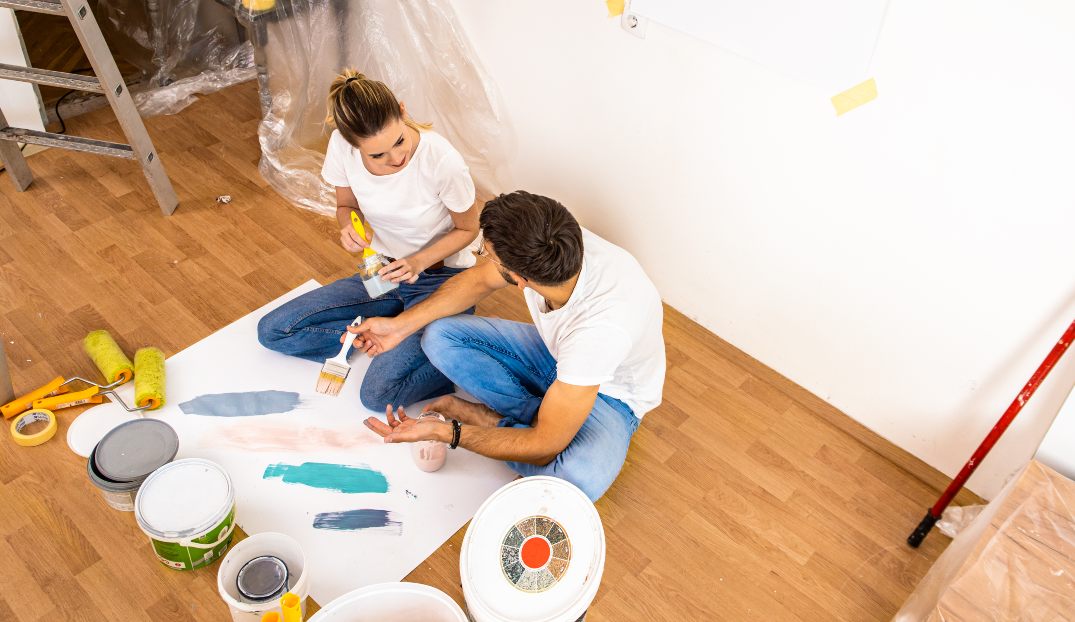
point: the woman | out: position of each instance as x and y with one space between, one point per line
414 194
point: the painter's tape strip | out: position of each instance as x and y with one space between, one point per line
33 416
855 96
615 7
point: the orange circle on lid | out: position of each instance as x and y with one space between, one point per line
535 552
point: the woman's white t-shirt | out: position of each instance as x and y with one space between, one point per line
407 209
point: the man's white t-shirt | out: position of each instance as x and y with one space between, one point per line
609 332
407 209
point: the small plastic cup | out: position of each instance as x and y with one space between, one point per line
429 456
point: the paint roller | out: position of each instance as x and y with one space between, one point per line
105 354
147 371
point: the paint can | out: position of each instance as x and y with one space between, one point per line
259 546
126 456
187 509
535 551
392 602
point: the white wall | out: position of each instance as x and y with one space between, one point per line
20 101
911 262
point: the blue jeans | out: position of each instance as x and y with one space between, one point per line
508 368
310 326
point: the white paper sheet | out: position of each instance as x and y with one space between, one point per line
431 506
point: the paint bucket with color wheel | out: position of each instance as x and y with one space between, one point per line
187 509
126 456
534 551
248 578
392 602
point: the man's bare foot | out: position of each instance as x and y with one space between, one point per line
468 413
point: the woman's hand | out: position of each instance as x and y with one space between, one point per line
351 241
404 270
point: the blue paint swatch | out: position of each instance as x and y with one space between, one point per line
339 477
247 404
364 519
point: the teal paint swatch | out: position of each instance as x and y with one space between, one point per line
338 477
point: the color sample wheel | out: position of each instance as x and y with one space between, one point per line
535 553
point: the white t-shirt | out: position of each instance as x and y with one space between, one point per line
407 209
609 332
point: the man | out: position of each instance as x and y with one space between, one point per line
559 397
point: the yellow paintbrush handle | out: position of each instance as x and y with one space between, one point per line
356 222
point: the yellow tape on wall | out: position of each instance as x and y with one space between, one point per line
855 96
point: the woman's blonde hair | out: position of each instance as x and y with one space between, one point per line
360 107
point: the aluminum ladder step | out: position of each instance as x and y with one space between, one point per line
63 141
37 6
107 80
51 78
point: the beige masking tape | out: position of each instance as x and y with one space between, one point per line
855 96
33 416
615 7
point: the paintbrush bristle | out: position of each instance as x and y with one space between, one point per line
332 377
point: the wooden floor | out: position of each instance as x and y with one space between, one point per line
743 496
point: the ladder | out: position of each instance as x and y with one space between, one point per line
107 81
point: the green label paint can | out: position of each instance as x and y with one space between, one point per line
187 509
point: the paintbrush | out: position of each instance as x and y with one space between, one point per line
335 371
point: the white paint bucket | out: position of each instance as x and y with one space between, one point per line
187 508
287 549
534 552
392 602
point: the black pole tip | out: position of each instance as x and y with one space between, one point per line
923 528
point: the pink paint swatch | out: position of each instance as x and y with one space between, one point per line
282 437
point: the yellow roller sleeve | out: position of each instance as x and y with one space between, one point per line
108 357
149 378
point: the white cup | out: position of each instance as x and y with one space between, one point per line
429 456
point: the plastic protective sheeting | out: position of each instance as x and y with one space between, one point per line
180 47
415 47
1015 561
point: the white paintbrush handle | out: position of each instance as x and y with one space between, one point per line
350 340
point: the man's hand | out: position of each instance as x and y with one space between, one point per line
466 412
378 335
351 241
402 270
402 429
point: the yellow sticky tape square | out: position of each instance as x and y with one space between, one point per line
854 97
615 7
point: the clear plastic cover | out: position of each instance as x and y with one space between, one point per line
180 47
1015 561
417 48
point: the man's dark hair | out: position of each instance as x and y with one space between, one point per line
533 236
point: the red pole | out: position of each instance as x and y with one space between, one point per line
934 513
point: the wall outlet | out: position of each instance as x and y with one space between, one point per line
632 22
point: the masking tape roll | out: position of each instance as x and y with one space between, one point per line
33 416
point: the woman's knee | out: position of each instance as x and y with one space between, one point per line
271 329
374 394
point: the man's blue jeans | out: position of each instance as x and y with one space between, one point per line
507 367
310 326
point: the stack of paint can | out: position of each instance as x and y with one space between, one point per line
127 455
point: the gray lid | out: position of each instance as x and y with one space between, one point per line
262 578
104 483
135 449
